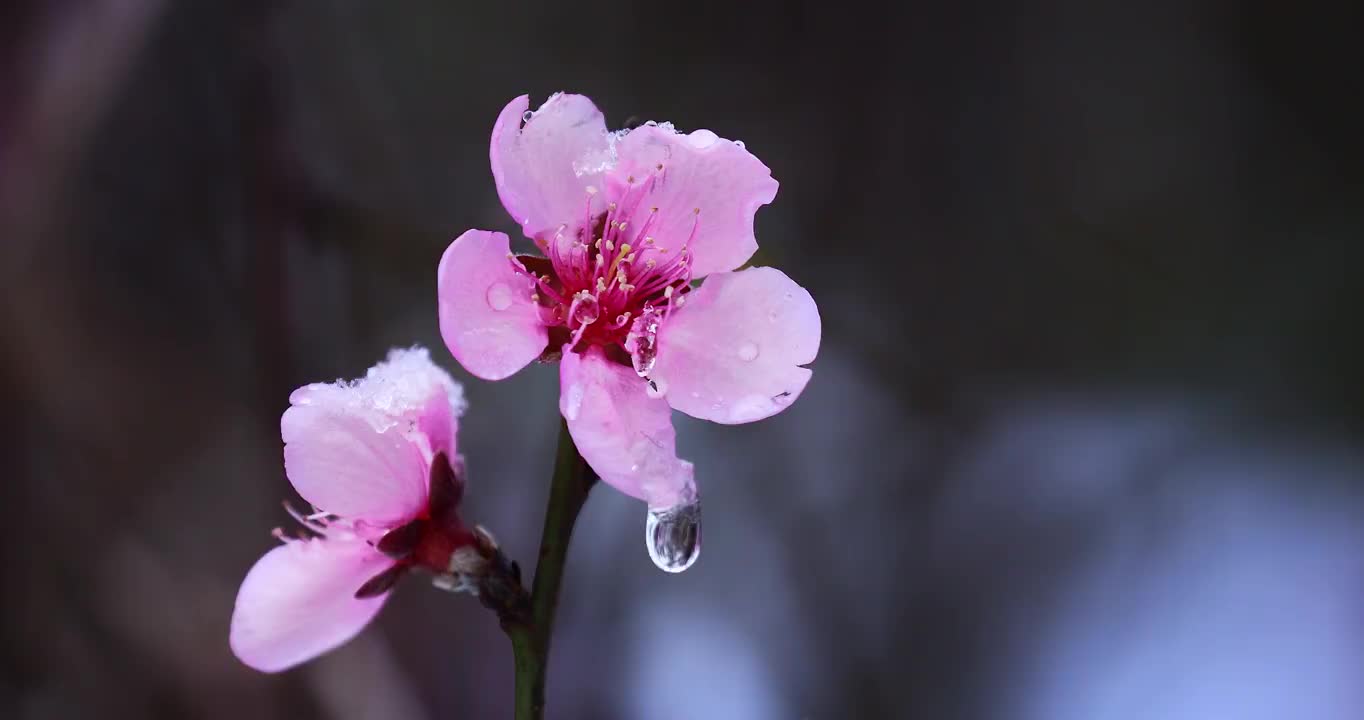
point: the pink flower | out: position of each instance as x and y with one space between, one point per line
627 221
376 458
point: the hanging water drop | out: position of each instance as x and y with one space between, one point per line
527 115
673 535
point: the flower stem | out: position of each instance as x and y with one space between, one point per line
530 640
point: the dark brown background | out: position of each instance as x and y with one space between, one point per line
1083 440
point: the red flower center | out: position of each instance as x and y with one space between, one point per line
608 282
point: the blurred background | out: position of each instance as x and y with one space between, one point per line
1084 439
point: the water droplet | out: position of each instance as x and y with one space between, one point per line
527 115
573 401
702 138
748 351
782 398
651 123
499 296
587 310
739 143
673 535
656 388
642 343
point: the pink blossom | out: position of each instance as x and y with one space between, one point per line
627 221
376 459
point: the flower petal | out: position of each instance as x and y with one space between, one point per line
407 390
487 316
298 601
543 168
704 172
626 436
732 353
341 464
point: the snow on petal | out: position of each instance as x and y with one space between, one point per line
626 436
487 315
705 181
406 390
733 353
341 464
543 167
298 601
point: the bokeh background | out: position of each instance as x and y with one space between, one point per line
1083 440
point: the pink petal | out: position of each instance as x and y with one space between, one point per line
732 353
298 602
543 169
626 436
406 389
700 171
487 316
340 463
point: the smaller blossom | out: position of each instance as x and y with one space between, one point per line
376 458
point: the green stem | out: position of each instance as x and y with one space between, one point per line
530 640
